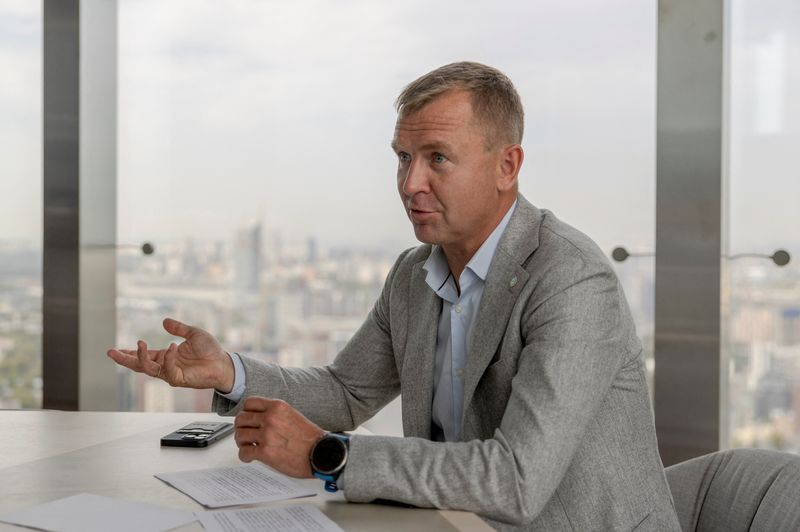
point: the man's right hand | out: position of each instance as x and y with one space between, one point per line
199 362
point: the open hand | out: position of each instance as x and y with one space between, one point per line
199 362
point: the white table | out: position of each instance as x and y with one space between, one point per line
47 455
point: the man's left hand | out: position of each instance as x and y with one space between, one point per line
271 431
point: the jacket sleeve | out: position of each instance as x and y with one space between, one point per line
362 379
572 352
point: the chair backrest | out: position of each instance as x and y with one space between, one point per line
737 490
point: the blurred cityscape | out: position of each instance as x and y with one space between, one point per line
20 325
299 305
762 346
296 306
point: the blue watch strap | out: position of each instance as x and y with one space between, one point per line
330 481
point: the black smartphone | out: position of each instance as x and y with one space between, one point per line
197 434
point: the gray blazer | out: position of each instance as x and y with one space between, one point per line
557 430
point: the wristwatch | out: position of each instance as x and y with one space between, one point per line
328 458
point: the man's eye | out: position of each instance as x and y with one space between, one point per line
438 158
403 157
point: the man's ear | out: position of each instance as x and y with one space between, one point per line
510 163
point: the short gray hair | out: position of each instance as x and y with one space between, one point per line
495 102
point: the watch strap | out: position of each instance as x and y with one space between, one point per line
330 481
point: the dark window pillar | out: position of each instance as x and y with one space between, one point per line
689 201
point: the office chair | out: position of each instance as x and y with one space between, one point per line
737 490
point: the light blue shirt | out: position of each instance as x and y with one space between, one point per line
456 321
455 326
237 391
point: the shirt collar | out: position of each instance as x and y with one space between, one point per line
482 259
438 269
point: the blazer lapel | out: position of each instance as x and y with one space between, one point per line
418 360
504 282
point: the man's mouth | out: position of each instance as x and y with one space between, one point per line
420 215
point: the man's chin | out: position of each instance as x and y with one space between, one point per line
424 235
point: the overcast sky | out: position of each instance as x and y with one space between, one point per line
282 112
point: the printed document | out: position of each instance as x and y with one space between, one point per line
230 486
92 513
302 518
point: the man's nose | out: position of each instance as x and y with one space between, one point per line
415 179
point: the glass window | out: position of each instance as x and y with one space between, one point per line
20 204
762 321
254 153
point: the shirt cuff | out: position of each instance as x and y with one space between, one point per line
239 378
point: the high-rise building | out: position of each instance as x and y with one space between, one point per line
313 252
790 326
247 259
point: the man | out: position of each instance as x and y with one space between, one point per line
507 333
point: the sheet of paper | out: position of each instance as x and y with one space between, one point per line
92 513
230 486
302 518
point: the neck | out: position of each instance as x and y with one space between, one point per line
457 265
460 254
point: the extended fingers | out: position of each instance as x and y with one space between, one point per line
125 357
133 359
151 362
146 359
167 363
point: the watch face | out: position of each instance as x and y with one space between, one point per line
329 455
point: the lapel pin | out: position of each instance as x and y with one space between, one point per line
513 282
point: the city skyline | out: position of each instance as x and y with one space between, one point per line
305 306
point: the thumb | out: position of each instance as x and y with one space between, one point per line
176 328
